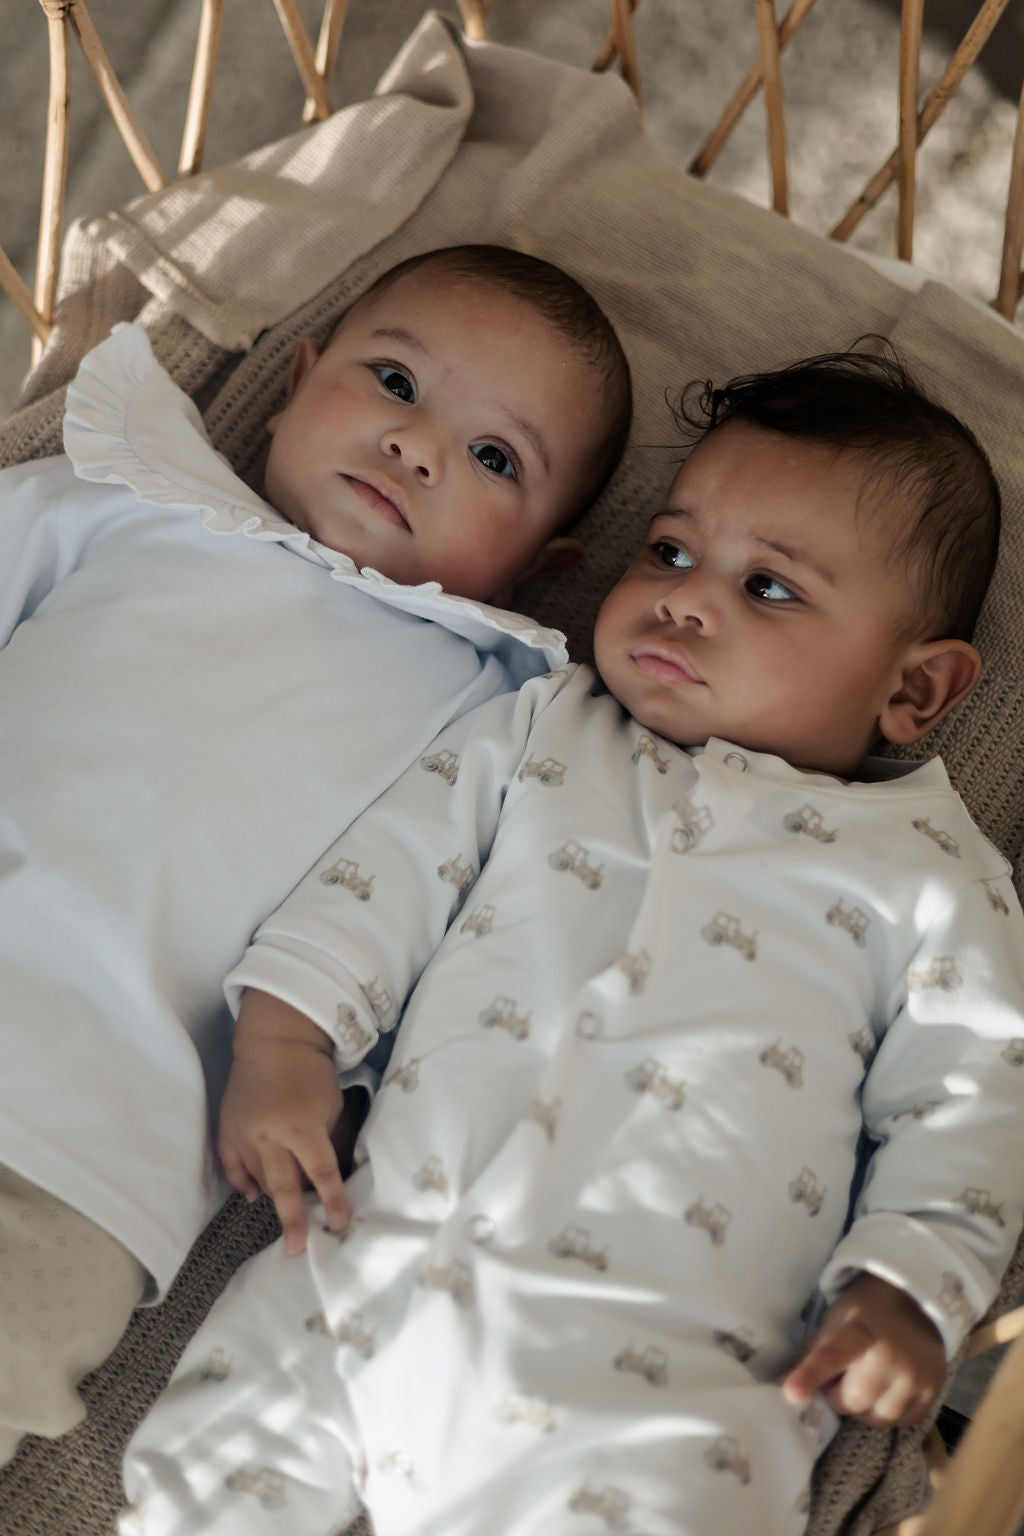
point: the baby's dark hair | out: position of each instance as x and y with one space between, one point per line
868 402
566 305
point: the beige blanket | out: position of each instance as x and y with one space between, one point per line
476 142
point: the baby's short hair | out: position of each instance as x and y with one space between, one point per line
869 403
569 308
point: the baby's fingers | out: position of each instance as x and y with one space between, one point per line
320 1162
236 1172
827 1356
282 1180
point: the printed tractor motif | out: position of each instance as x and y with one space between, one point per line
217 1366
431 1175
724 929
636 968
694 821
456 1278
739 1344
862 1042
946 843
379 999
651 1077
456 873
611 1503
548 769
941 973
808 820
397 1464
351 1034
804 1190
517 1408
713 1218
501 1014
444 763
575 858
953 1298
725 1455
852 919
545 1112
317 1323
790 1062
1013 1052
995 898
346 873
647 747
650 1363
406 1077
573 1242
353 1332
589 1026
262 1482
978 1202
918 1111
480 921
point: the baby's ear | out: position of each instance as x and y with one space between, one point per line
554 556
937 675
306 354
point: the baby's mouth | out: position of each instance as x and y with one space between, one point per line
666 664
380 498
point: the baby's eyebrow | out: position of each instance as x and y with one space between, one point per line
533 436
395 333
797 557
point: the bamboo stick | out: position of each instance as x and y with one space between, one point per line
474 19
625 44
135 141
608 50
1010 275
331 23
55 168
712 146
200 95
911 21
16 290
935 103
984 1494
768 38
302 53
1003 1330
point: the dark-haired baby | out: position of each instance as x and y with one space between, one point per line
670 947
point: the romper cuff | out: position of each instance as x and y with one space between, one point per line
931 1263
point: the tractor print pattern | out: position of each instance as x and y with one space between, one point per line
617 1030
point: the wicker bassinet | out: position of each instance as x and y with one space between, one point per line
470 140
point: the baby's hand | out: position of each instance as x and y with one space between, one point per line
280 1107
876 1357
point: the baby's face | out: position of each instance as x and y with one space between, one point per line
761 608
440 436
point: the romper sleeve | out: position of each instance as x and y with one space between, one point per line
349 943
943 1200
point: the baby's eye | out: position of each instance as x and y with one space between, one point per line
671 555
495 459
769 588
397 382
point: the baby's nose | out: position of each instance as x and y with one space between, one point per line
418 452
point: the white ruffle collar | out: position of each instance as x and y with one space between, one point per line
128 423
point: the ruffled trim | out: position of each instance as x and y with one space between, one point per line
128 423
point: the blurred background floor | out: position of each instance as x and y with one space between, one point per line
840 74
